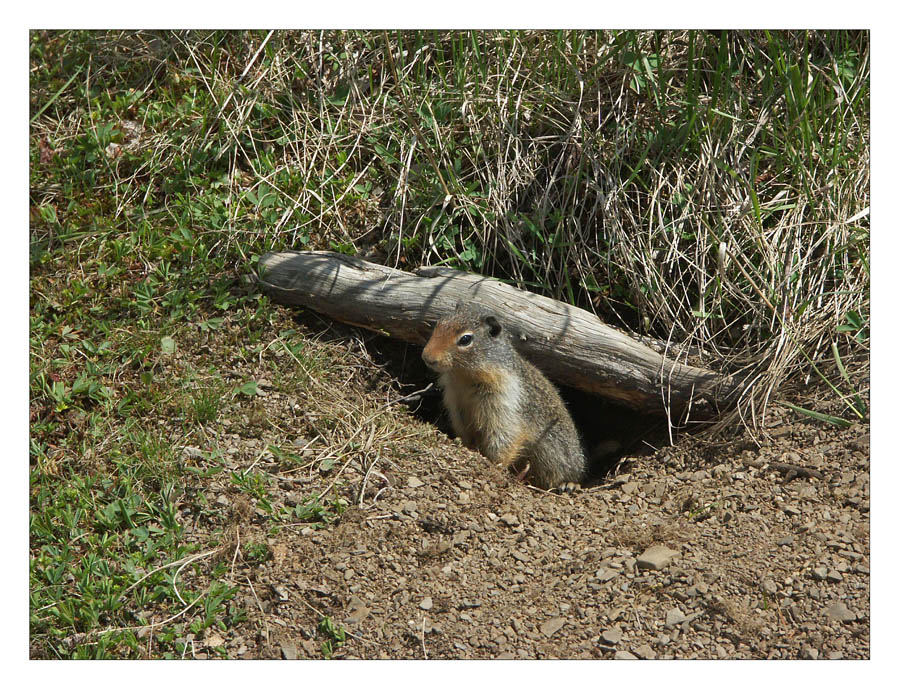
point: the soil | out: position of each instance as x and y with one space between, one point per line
438 555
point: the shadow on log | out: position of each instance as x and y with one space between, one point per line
571 345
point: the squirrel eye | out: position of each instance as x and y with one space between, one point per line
464 340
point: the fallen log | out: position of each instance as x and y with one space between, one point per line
571 345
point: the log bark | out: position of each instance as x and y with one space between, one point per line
570 345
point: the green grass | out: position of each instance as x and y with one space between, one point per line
709 187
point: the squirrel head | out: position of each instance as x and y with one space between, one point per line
463 340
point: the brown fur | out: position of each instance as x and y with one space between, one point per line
500 404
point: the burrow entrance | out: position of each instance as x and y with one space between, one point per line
599 421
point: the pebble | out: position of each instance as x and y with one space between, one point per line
551 626
414 482
605 574
839 612
656 557
426 604
288 651
358 611
645 651
700 588
509 519
622 654
674 617
612 636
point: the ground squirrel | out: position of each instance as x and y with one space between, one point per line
502 405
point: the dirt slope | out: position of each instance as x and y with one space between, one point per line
438 555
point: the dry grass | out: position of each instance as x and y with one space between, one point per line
706 189
709 191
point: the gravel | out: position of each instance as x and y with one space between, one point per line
691 551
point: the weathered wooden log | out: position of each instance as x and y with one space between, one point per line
571 345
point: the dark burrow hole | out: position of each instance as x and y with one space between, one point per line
609 431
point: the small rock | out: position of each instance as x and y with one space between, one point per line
861 443
358 611
414 482
409 507
645 651
809 653
674 617
552 625
612 636
509 520
820 573
288 651
622 654
426 604
769 587
656 557
605 574
460 537
839 612
700 588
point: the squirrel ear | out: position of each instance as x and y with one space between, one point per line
493 325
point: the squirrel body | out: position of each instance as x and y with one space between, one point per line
502 405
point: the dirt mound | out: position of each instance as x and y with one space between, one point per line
417 548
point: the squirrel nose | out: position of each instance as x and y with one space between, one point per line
429 358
